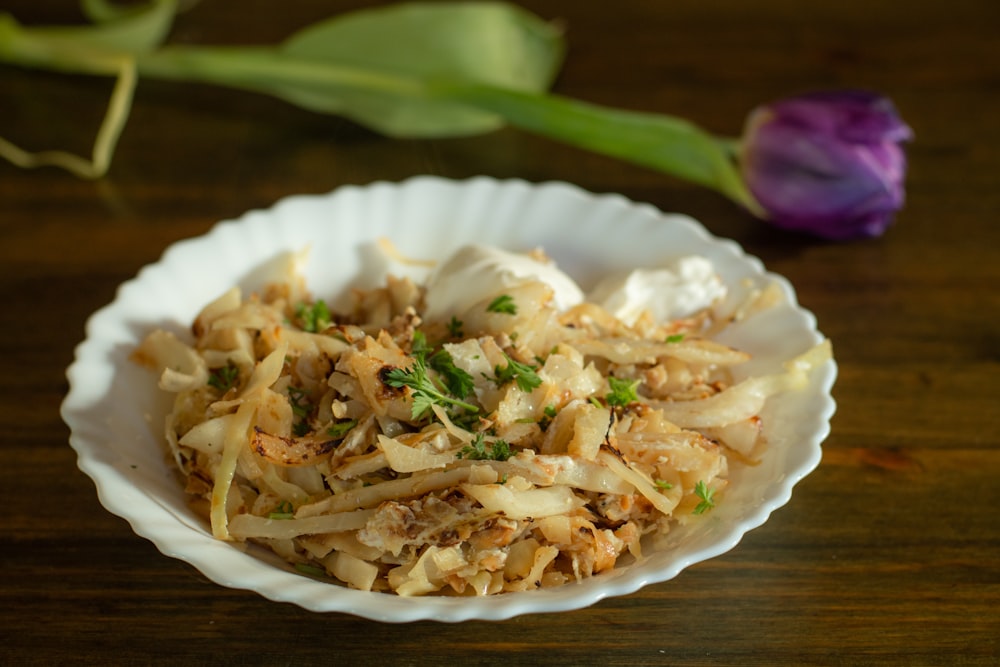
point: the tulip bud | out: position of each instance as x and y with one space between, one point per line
829 164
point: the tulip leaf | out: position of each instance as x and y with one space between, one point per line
665 143
489 43
374 66
127 29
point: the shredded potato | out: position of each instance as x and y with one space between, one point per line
507 451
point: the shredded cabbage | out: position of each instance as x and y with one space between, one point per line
306 431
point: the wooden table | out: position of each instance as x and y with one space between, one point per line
889 553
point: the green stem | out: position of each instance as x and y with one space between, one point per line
665 143
58 53
53 51
263 69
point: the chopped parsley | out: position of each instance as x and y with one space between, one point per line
283 511
477 450
419 347
455 327
340 429
706 494
467 420
426 390
224 378
297 397
674 338
549 414
457 380
503 304
523 374
623 392
311 570
663 486
313 318
301 408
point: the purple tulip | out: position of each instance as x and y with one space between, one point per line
829 164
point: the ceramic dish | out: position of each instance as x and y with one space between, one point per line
115 411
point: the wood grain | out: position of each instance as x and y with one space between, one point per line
889 553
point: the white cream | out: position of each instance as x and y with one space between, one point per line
474 273
688 285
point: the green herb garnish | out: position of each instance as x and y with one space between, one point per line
457 380
313 318
297 398
549 414
523 374
419 347
660 484
477 450
503 304
426 390
224 378
706 494
674 338
311 570
466 420
283 511
623 392
340 429
455 327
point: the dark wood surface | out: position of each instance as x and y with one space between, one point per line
889 553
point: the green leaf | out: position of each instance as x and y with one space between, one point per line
224 378
477 451
283 511
707 496
515 371
457 380
311 571
623 392
341 429
314 317
503 304
386 55
127 29
455 327
664 143
425 392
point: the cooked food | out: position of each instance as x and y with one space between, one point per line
493 429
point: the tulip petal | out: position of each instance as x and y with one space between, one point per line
829 164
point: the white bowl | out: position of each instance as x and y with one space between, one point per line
115 412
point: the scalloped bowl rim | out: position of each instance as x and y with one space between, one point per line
111 441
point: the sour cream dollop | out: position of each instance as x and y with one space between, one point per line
476 272
687 285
